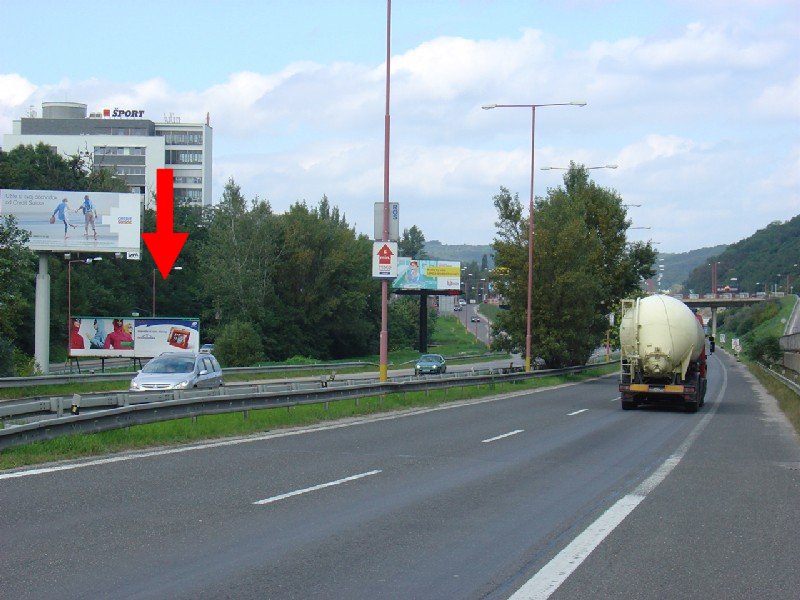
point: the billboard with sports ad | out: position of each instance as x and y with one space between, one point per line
77 221
429 275
103 337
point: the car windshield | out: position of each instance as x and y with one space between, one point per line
170 364
430 358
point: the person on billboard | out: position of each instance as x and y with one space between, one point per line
99 338
75 337
89 215
119 339
60 213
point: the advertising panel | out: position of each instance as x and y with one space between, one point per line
77 221
154 336
430 275
102 337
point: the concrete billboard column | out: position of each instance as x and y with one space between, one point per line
41 347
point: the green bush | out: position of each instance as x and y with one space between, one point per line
764 348
6 358
238 345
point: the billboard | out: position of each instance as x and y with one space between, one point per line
77 221
102 337
429 275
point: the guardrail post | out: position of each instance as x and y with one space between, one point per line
245 414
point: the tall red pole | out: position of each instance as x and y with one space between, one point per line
530 252
384 341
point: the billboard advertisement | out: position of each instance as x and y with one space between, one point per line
77 221
102 337
429 275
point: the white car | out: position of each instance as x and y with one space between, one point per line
178 371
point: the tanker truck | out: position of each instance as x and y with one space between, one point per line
663 353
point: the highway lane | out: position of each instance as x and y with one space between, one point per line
467 501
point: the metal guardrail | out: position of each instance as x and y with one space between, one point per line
126 409
785 380
9 382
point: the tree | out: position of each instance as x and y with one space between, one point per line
17 265
583 266
412 243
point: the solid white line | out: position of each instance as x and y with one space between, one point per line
500 437
615 399
556 572
577 412
316 487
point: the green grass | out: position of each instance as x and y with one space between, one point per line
489 311
183 431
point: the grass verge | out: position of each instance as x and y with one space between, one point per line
181 431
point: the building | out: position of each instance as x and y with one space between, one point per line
123 141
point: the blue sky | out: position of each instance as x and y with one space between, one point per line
698 102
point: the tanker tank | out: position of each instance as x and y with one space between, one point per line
663 352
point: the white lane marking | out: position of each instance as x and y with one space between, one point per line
500 437
280 434
615 399
577 412
556 572
316 487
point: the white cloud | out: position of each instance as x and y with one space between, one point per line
782 101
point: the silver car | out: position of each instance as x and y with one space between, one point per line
178 371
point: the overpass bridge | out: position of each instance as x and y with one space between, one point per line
723 300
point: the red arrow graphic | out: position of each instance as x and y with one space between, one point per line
164 244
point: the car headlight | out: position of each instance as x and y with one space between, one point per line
182 385
135 386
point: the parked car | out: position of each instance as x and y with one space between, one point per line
178 371
207 349
430 364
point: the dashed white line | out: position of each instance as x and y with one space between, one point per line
577 412
316 487
554 573
500 437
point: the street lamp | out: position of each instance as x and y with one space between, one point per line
587 168
533 108
69 289
153 312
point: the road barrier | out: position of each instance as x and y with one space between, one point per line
123 409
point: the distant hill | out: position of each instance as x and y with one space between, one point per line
464 253
678 266
765 258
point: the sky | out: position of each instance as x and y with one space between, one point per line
696 101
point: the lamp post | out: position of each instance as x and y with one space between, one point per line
383 368
533 108
153 312
69 288
587 168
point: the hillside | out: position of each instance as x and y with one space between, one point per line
762 261
677 267
464 253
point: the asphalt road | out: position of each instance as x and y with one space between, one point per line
558 490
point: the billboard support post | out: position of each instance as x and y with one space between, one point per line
41 341
423 322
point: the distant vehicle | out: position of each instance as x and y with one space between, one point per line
475 319
178 371
457 307
462 302
430 364
207 349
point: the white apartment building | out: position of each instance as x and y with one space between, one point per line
123 141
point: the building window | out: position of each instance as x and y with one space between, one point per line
183 157
184 195
182 138
188 180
